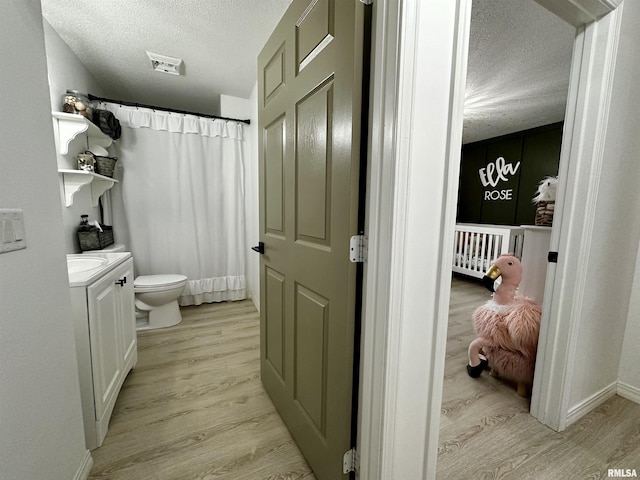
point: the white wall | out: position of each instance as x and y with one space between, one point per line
612 252
242 108
66 72
40 415
252 199
629 372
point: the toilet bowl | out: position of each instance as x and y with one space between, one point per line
156 296
157 300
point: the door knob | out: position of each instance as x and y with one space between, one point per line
259 248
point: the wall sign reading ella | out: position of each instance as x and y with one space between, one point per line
493 174
499 176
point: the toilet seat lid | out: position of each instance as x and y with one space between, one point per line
147 281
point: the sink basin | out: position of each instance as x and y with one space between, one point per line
85 269
84 263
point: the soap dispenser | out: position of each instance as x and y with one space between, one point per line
84 224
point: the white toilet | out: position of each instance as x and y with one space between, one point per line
157 300
156 297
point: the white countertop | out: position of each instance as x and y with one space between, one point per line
86 277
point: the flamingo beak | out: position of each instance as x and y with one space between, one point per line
490 277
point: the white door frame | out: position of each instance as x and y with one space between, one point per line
582 155
419 74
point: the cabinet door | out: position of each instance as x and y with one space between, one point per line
105 339
127 315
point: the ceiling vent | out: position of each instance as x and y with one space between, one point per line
161 63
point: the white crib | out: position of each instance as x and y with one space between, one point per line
476 246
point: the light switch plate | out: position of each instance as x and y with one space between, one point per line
11 230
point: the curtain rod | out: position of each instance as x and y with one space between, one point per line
164 109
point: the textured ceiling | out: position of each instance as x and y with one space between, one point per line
518 74
218 40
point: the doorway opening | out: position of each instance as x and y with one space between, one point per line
429 73
519 64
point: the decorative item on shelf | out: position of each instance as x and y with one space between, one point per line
545 201
544 214
78 103
105 165
86 161
94 236
84 223
107 123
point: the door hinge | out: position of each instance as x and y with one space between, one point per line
367 2
350 461
358 249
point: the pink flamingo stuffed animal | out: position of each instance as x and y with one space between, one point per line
507 328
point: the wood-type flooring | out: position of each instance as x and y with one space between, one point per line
194 409
486 431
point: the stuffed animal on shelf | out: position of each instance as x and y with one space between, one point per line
546 190
507 328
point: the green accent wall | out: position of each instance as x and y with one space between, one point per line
499 176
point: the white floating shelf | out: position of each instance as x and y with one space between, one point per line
70 125
75 180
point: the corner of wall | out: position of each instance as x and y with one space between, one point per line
247 108
235 107
253 186
628 372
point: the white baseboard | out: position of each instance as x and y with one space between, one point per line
629 392
85 467
255 300
584 407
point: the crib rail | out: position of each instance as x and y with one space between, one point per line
477 246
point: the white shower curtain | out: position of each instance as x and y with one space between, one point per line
181 208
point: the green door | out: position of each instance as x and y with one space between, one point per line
310 92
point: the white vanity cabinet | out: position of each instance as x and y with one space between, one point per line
106 343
